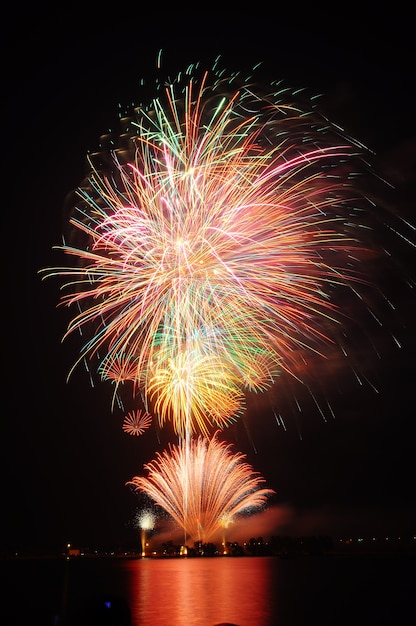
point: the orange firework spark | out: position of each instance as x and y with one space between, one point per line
136 422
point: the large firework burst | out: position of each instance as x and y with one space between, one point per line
209 246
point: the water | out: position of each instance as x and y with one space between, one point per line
242 591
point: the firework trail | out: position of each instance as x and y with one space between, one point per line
204 487
208 248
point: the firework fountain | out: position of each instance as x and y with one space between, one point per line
210 240
146 523
220 485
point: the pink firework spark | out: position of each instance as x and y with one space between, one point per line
136 422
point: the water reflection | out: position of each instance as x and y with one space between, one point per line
243 591
202 592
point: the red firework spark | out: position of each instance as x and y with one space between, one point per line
136 422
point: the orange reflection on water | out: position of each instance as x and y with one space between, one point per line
202 591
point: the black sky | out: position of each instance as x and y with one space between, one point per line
66 459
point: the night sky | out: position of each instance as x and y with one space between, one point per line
66 458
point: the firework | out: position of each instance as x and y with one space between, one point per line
215 237
203 486
205 383
146 522
136 422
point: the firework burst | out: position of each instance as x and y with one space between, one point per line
136 422
215 237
